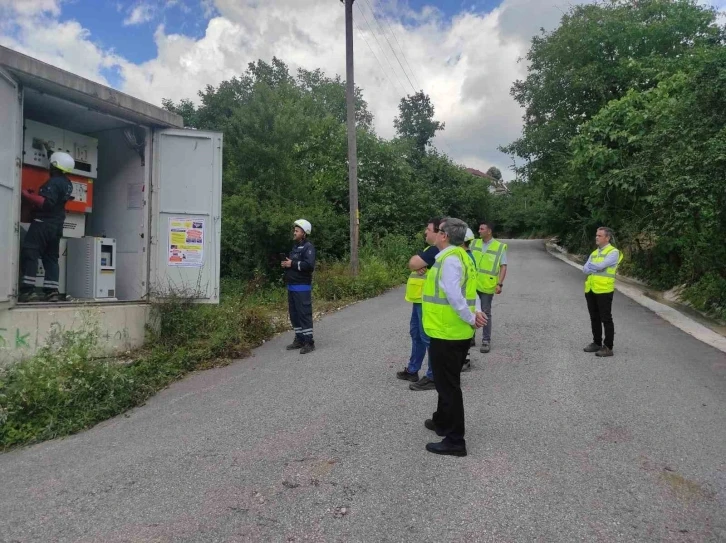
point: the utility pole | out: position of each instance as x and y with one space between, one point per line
352 144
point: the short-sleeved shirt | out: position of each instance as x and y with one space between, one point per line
428 255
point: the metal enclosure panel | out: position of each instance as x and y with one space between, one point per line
120 210
83 149
186 187
11 134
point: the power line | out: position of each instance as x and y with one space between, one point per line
391 46
376 57
382 50
402 53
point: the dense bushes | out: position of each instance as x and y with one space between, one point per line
625 126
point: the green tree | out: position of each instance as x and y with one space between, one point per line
416 121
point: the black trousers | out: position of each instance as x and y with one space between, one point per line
41 242
447 358
600 307
300 306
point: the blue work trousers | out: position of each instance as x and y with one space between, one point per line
419 342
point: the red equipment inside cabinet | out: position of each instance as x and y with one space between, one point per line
33 178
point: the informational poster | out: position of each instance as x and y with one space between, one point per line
186 242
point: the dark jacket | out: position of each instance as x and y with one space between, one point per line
56 191
303 264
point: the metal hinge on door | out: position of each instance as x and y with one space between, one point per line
17 227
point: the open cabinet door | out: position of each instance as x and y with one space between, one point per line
186 203
11 135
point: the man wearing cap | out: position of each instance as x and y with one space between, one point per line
299 267
490 256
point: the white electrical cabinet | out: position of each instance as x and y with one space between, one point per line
91 269
83 149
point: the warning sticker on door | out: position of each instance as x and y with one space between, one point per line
186 242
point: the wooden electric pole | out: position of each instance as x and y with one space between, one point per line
352 144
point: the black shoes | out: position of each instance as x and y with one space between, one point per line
423 384
27 297
446 449
429 423
592 348
406 376
307 348
485 347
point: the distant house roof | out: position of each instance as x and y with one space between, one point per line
498 186
478 173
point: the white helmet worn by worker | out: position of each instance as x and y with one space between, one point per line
305 225
62 161
469 235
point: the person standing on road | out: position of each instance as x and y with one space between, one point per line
299 267
599 288
46 229
490 256
451 311
468 238
419 265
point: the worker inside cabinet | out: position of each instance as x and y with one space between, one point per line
47 215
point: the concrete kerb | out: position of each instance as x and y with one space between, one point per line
673 316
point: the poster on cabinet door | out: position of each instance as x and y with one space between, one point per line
186 242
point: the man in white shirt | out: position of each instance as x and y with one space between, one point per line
451 312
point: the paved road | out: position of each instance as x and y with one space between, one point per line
330 446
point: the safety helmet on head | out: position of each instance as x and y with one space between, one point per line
63 162
469 235
305 225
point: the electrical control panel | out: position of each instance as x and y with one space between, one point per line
83 149
82 202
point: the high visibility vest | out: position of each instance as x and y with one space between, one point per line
602 282
488 264
414 287
440 320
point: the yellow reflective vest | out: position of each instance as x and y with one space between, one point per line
602 282
414 286
488 264
440 320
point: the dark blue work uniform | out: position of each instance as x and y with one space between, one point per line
43 238
299 279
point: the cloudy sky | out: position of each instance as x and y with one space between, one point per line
462 53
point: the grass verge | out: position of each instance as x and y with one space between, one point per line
68 387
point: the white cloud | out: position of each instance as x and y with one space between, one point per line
467 64
139 14
31 7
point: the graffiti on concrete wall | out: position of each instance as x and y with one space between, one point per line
12 339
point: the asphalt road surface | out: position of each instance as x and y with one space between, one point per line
329 446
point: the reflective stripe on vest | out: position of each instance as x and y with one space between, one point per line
440 320
603 282
488 275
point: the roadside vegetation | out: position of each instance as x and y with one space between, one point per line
625 126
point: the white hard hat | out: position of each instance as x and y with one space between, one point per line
469 235
63 161
305 225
